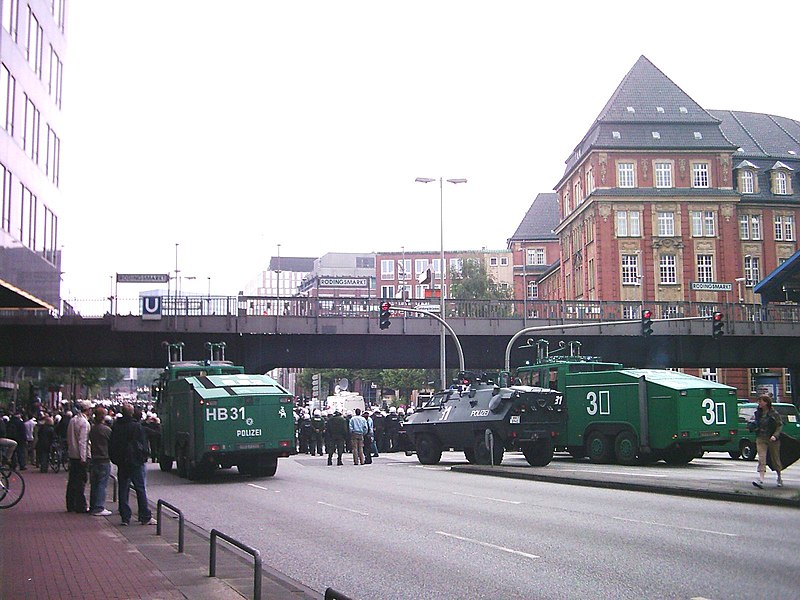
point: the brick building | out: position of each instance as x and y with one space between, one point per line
661 195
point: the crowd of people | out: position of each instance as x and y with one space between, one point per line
365 433
89 439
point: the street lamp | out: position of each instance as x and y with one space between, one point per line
443 269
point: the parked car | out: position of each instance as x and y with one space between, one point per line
743 444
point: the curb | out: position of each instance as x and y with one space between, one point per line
616 484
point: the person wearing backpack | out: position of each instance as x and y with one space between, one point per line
128 450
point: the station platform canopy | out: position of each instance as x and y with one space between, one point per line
783 284
13 298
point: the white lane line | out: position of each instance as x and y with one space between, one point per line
486 498
676 527
262 488
487 545
358 512
608 472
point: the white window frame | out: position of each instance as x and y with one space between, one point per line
663 174
535 257
629 223
387 269
705 268
387 291
703 223
752 270
784 228
666 223
533 290
700 175
626 174
667 269
748 182
630 269
503 261
781 183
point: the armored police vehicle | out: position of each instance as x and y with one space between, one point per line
484 420
743 444
634 415
214 415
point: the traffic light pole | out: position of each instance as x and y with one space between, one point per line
444 324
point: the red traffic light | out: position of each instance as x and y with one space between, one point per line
717 316
647 314
385 306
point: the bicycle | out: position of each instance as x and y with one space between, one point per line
12 485
57 457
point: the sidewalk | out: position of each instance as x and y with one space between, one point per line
47 553
714 489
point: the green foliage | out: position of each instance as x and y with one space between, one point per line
475 283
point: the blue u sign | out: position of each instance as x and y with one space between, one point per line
151 308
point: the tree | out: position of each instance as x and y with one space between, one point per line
475 283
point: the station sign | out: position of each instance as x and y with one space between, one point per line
151 308
142 278
711 286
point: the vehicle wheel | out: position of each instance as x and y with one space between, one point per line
183 467
267 467
678 455
429 450
538 454
165 462
626 448
598 447
735 454
482 456
748 450
469 454
12 488
55 461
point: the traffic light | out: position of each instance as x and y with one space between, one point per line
647 322
717 323
384 318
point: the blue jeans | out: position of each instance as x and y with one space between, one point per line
98 481
135 475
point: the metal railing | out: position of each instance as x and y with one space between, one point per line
212 561
181 521
347 307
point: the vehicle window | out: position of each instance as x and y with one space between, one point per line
746 414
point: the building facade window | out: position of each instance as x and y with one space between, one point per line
420 266
629 223
503 261
8 87
667 270
11 18
492 261
747 182
703 223
30 135
750 227
784 228
752 270
630 269
53 164
589 181
533 290
387 291
626 175
535 257
387 271
35 43
55 79
705 268
709 374
5 180
663 172
666 223
578 192
700 175
780 184
456 266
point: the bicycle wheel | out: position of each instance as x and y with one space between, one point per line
55 460
13 488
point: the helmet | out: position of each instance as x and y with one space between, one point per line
392 410
401 411
317 412
410 410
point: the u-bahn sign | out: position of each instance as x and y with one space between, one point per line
142 278
151 308
711 286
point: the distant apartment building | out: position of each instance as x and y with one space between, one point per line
341 275
282 278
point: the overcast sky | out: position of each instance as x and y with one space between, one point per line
232 127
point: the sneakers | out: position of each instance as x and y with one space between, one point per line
780 481
102 513
152 521
124 524
758 484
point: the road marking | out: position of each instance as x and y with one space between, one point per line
486 498
358 512
487 545
263 488
676 527
609 472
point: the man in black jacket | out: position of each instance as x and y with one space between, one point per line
128 449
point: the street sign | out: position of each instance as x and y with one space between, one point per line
711 286
151 308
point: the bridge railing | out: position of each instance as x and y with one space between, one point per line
576 311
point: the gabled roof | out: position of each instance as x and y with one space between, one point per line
648 101
758 135
540 220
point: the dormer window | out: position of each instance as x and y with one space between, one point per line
698 135
630 109
616 135
656 135
660 109
747 177
781 179
684 110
